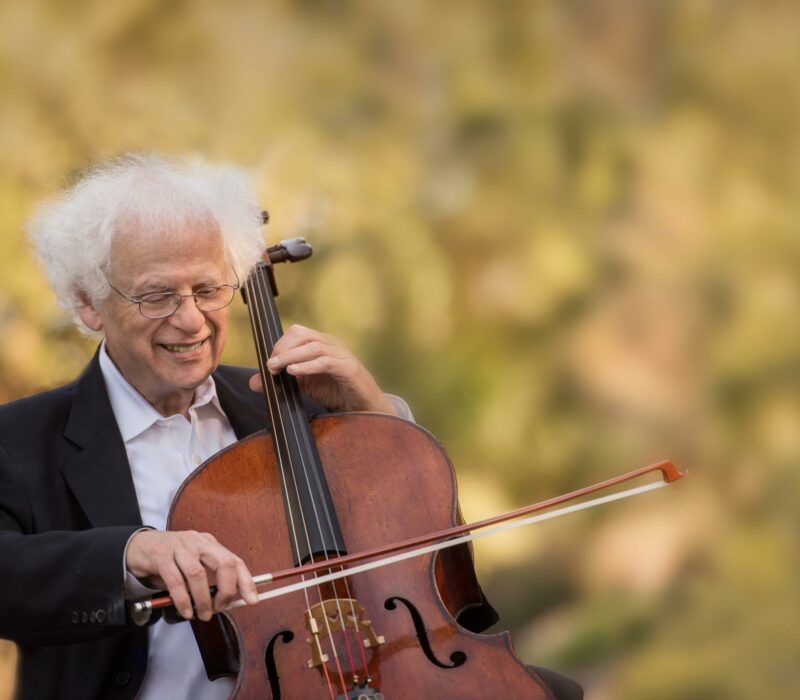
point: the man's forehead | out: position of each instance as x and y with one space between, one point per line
190 250
137 227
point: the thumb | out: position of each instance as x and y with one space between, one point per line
255 383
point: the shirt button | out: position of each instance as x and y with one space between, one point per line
197 459
123 678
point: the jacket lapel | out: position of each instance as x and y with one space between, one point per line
99 475
244 408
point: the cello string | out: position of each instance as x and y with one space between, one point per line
273 323
256 315
263 348
257 296
268 314
350 600
296 422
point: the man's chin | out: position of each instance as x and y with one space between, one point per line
189 380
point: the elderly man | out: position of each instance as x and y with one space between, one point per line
147 254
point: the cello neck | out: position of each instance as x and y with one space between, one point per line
309 509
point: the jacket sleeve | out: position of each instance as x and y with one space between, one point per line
58 586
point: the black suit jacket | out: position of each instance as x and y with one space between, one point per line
67 509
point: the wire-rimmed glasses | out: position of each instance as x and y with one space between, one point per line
210 297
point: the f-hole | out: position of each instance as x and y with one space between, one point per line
457 658
269 661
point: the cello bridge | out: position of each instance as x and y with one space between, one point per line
337 615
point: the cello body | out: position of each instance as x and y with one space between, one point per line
389 479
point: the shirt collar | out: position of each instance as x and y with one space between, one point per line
132 411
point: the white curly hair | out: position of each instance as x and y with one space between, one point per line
152 195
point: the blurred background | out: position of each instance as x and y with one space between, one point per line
566 231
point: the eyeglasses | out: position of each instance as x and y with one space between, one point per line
212 297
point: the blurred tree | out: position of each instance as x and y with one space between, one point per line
566 231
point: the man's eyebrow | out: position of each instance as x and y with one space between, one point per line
208 282
152 286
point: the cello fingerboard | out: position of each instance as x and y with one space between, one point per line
310 515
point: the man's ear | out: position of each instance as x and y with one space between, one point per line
88 313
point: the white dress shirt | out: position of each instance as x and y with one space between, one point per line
162 452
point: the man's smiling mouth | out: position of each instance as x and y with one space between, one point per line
184 347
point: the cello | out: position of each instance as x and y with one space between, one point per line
308 492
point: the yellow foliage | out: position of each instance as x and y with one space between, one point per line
566 232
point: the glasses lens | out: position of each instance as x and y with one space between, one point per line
158 305
214 298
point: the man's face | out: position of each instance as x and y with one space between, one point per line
166 358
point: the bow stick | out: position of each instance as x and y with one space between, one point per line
141 611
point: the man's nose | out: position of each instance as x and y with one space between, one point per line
187 316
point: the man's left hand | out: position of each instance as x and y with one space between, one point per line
327 372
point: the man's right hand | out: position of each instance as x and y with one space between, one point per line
186 564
